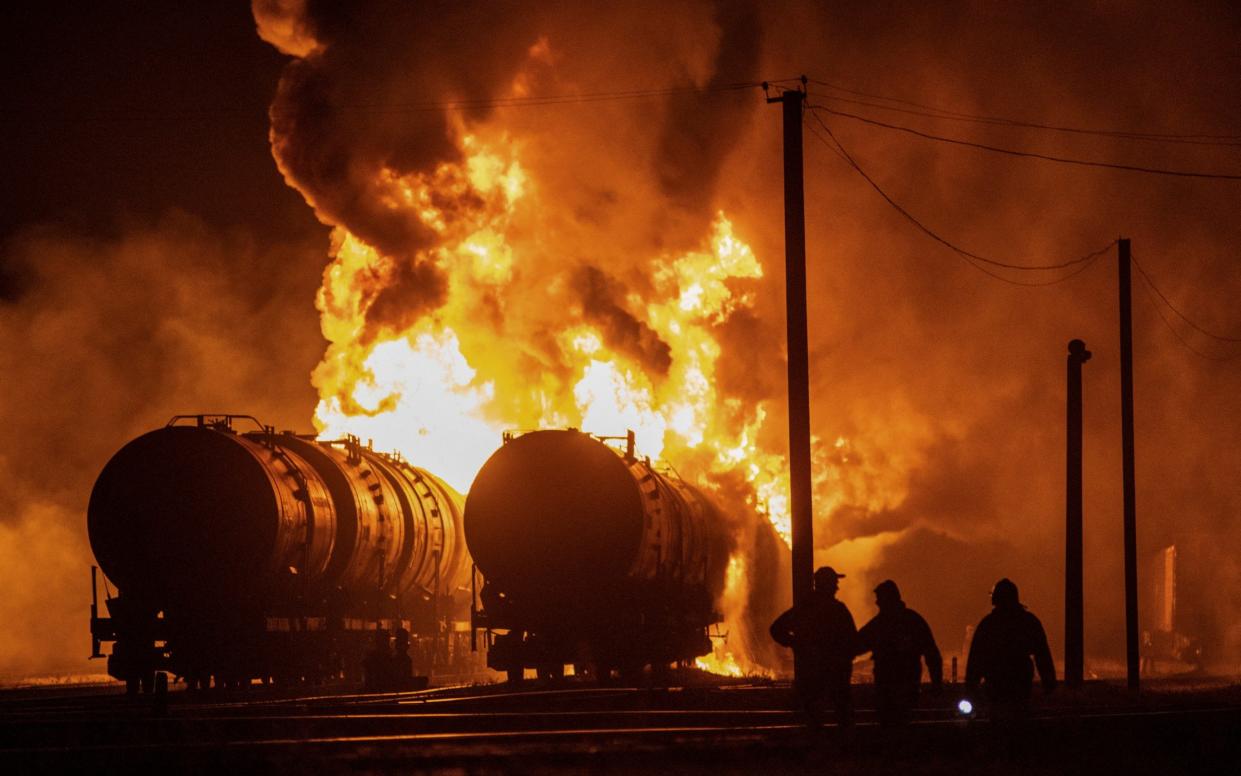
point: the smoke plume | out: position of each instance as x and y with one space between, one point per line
937 390
495 266
111 338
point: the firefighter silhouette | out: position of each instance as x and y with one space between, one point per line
1000 653
900 640
825 635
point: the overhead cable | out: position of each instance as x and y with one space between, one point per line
937 112
933 114
1079 264
1027 154
1148 287
506 102
1176 310
124 113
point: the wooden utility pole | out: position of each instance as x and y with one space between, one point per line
1126 432
1074 627
799 364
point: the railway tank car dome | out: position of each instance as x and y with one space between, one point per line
551 508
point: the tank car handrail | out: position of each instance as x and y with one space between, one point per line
206 418
352 445
667 468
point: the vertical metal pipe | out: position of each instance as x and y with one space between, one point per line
1074 627
473 608
1126 430
798 361
94 611
435 613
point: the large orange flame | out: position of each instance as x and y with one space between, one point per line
429 390
445 386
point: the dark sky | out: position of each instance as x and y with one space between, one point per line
120 118
153 261
127 109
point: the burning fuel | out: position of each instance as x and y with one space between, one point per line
497 268
465 298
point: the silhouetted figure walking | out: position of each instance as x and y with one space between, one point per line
900 640
826 636
1000 653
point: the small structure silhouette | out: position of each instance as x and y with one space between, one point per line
1000 653
377 664
824 629
401 667
900 640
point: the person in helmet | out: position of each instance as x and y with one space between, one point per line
900 640
826 637
1000 653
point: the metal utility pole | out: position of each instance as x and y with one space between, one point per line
799 362
1126 431
1073 608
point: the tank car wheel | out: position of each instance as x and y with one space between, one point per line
551 672
515 675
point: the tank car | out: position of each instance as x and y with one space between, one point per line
262 554
591 557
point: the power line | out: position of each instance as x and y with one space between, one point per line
966 256
515 102
126 114
945 113
995 121
1079 264
970 258
573 99
1152 290
1148 287
827 144
1176 310
1027 154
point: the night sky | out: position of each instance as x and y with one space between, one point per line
153 259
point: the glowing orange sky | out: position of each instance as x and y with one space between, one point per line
156 263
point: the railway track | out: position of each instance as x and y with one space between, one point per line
717 729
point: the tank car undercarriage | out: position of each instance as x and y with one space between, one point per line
234 648
618 634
